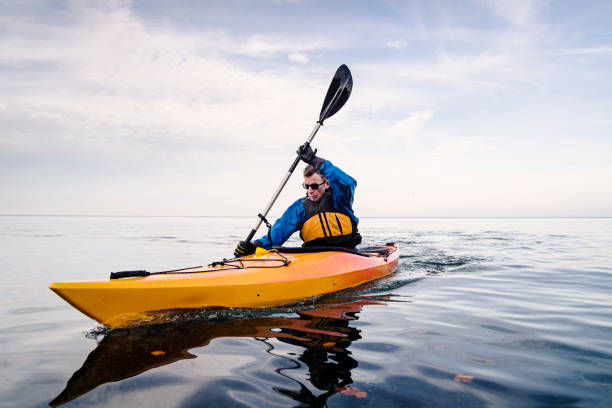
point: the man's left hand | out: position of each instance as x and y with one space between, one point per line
308 156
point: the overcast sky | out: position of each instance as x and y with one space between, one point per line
459 108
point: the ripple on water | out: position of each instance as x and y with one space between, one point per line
30 310
377 347
573 352
29 328
413 391
230 392
497 329
599 378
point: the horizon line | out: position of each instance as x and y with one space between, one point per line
249 216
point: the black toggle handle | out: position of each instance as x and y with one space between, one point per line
129 274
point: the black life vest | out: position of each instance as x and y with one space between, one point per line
324 225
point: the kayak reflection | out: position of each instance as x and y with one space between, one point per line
324 332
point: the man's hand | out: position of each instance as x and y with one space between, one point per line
244 248
308 156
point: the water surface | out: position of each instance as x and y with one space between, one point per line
481 312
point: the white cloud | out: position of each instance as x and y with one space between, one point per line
268 45
298 57
111 75
406 127
605 50
396 44
518 12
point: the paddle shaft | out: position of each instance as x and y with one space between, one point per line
282 185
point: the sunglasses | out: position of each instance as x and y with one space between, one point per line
314 186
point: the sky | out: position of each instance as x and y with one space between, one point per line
478 108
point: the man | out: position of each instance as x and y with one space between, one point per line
324 217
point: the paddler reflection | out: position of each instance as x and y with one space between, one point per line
324 333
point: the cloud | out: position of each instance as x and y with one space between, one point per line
406 127
516 12
396 44
604 50
298 57
106 75
269 45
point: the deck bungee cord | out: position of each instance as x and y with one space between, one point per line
241 263
229 264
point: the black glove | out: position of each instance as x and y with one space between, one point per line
308 156
244 248
306 153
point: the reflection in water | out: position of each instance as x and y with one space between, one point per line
323 332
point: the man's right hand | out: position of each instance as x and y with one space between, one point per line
244 248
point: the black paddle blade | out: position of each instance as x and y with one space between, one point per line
338 93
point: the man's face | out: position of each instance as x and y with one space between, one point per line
315 193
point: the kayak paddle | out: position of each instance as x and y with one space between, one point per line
337 95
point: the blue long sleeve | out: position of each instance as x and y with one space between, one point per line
287 224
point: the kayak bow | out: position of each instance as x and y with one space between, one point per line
268 278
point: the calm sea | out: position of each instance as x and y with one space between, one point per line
481 312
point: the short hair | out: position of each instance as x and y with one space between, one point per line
310 170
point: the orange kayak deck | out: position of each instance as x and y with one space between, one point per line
265 279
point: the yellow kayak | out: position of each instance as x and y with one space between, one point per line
268 278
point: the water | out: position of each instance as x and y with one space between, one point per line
481 312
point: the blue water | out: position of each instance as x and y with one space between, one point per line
481 312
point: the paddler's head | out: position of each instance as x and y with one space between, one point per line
314 183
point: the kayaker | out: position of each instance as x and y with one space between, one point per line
324 217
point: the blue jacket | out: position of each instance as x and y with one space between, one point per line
343 189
